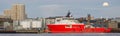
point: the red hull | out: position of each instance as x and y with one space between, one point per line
76 28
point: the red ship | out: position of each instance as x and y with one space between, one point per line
73 26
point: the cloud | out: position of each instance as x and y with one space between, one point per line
18 1
110 12
51 10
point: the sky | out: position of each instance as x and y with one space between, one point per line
78 8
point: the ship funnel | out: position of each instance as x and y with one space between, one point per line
69 14
88 19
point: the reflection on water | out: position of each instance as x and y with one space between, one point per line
64 34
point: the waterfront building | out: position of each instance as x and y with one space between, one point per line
116 23
28 24
3 16
7 13
18 12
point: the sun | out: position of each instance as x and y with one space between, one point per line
105 4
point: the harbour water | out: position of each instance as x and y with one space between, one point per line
65 34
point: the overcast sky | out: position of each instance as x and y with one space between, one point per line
78 8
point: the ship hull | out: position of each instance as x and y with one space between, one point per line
75 28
